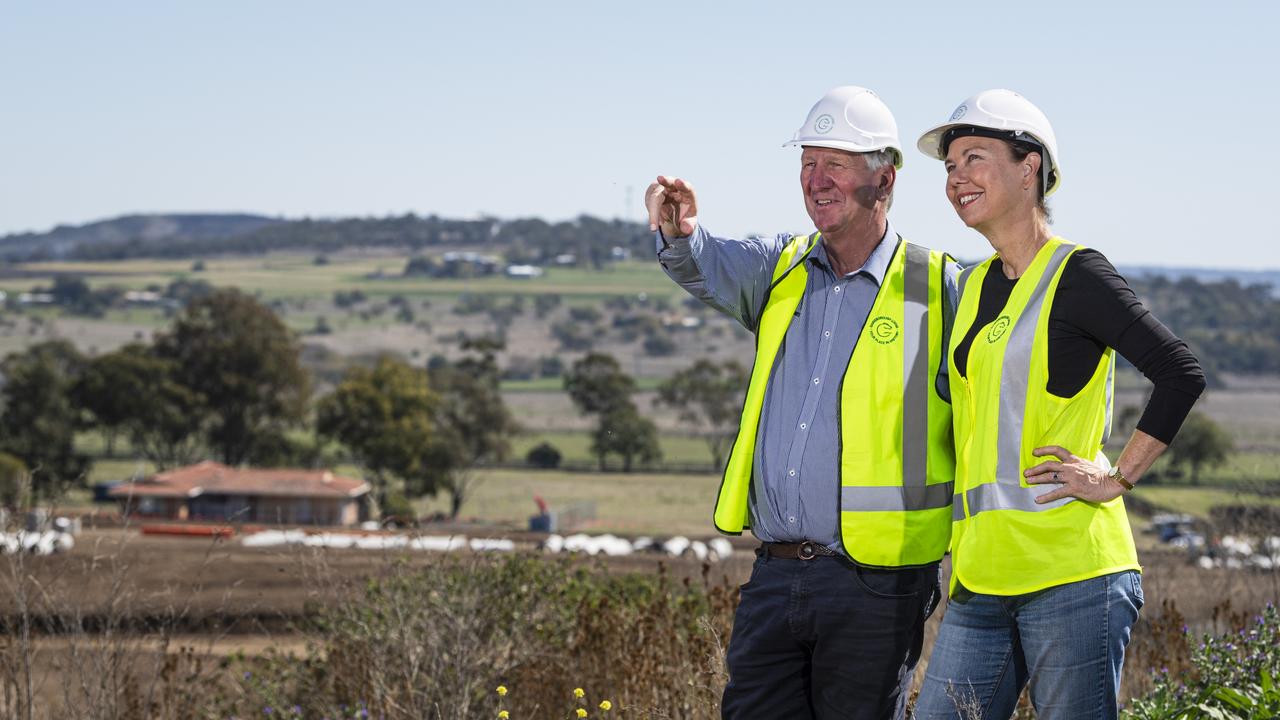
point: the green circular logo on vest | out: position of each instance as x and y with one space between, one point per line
998 328
884 330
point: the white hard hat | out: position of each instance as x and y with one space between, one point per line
850 118
1006 115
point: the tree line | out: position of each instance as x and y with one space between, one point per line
225 381
588 239
1231 327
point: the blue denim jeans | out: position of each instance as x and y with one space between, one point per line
1067 642
824 638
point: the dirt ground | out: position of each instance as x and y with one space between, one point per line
225 589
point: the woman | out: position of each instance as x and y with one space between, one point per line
1045 582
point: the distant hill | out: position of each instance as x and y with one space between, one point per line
1204 275
137 231
591 241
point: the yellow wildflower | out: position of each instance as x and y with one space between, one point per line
577 692
502 690
606 705
582 712
503 715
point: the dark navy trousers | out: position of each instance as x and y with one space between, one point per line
825 638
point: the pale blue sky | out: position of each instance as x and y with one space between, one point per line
1166 117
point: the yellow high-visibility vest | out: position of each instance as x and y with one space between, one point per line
897 465
1003 543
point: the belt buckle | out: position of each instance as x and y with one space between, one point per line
806 551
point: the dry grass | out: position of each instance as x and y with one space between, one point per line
155 615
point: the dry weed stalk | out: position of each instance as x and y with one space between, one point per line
67 654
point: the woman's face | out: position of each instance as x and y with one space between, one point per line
985 184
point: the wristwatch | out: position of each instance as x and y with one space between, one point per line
1119 477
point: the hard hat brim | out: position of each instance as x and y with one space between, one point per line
848 147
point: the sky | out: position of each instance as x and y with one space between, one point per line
1165 113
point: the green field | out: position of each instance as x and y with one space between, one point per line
677 449
624 502
1198 500
297 276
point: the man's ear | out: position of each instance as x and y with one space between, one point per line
887 179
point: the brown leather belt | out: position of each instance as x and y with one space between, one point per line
806 550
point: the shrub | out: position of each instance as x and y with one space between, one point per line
573 336
584 314
520 368
11 474
543 455
397 508
659 344
434 641
550 366
348 299
1232 675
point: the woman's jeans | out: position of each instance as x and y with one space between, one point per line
1066 641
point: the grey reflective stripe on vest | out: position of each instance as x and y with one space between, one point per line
1007 493
914 494
964 278
896 499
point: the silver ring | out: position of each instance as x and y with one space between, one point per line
1055 476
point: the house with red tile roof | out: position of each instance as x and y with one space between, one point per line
215 492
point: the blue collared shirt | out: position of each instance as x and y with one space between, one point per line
795 487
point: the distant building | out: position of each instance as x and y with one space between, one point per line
211 491
454 264
35 298
143 297
524 272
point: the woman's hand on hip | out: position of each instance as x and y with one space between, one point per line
1075 477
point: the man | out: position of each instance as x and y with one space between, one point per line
843 465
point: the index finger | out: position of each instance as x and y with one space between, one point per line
653 198
1055 450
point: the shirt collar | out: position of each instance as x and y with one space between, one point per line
877 263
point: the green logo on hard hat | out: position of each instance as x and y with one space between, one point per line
998 328
824 123
959 113
884 330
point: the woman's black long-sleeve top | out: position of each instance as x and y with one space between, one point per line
1094 309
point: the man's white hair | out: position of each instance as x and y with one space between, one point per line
877 159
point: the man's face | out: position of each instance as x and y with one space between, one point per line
839 190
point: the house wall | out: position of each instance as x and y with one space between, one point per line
153 507
305 511
246 508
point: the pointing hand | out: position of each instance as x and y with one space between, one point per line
672 206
